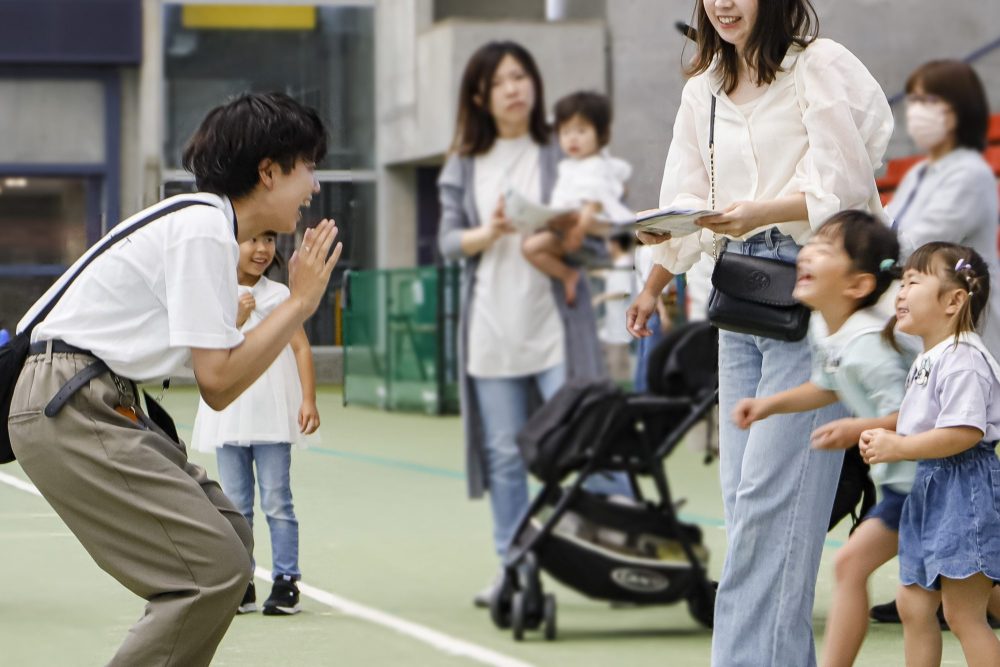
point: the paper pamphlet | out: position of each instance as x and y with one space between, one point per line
675 221
526 215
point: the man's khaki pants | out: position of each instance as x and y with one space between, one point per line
147 516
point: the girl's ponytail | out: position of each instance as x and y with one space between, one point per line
972 273
889 334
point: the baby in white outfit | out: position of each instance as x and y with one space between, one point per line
589 180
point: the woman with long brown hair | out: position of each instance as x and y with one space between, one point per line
799 126
514 347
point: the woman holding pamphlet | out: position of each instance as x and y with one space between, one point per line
513 341
777 130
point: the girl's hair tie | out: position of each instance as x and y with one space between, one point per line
963 265
886 264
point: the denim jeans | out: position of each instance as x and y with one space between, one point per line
644 347
778 494
236 474
503 403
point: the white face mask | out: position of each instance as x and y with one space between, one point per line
927 124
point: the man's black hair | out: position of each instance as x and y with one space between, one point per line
225 152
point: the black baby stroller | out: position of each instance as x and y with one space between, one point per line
612 548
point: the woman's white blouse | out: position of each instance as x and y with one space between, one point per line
820 129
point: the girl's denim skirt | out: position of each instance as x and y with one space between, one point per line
950 525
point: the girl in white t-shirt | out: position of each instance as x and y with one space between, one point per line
260 426
949 422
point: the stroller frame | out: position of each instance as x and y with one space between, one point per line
519 601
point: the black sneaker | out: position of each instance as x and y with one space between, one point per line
885 613
888 613
249 603
284 599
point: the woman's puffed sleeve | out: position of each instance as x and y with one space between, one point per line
848 122
685 179
451 193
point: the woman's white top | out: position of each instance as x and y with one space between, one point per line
267 412
820 129
597 178
515 328
953 199
143 304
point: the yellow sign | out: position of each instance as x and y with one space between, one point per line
248 17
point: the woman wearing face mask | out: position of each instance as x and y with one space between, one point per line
800 125
952 195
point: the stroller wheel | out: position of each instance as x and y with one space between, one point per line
549 616
517 615
701 603
500 602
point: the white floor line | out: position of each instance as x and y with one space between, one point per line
19 484
439 640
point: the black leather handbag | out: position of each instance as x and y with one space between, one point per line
752 295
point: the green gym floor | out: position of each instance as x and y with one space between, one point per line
391 551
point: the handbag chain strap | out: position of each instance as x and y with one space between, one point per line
716 238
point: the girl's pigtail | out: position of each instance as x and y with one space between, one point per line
890 268
972 274
889 334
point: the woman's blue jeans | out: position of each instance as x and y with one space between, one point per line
236 474
503 404
644 348
778 494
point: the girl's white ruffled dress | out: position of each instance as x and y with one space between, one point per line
268 411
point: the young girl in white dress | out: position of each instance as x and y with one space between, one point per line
278 410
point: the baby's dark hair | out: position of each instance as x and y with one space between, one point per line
871 245
595 108
960 267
